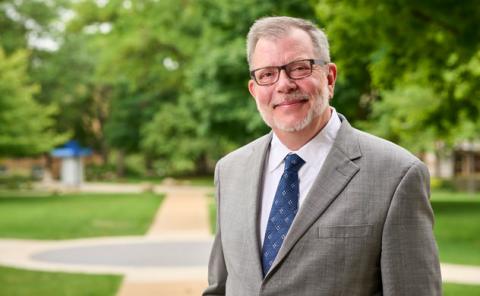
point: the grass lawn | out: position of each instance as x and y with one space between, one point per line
457 227
39 216
17 282
182 180
212 210
76 215
460 290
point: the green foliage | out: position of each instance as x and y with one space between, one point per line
171 137
134 169
16 182
66 79
168 79
214 112
25 125
24 21
77 215
441 184
135 66
100 172
401 115
18 282
410 67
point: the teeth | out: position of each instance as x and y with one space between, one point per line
291 100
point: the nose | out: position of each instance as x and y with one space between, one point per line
284 83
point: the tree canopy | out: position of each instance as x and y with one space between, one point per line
26 127
409 69
167 79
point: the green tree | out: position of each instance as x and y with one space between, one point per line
139 59
215 112
25 125
410 67
66 77
24 23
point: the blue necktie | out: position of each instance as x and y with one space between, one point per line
284 209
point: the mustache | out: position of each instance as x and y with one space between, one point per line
290 98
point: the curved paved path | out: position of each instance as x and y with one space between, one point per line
137 257
183 215
170 260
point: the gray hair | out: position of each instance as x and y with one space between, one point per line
279 26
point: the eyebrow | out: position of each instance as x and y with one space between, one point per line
293 60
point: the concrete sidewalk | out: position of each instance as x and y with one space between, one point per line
183 214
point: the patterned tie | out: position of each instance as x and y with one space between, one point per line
284 209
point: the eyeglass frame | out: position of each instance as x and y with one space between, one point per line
284 67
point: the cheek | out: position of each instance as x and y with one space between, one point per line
263 97
312 89
320 88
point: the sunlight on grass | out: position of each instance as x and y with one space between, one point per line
212 211
457 227
460 290
18 282
77 215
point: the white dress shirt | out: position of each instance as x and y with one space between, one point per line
313 153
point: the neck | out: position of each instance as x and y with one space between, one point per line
296 140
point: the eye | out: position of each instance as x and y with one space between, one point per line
266 74
299 67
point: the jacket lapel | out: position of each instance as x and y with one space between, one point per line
254 173
334 176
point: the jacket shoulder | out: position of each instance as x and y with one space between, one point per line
383 150
239 155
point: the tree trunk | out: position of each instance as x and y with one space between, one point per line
149 171
121 163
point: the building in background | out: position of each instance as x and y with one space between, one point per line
461 164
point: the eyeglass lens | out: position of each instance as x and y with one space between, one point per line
294 70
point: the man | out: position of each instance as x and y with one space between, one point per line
316 207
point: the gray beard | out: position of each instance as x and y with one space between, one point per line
320 106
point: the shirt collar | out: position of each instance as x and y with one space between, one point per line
309 151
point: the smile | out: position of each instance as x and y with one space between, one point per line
290 103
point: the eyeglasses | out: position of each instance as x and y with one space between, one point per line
294 70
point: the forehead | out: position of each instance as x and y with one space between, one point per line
275 51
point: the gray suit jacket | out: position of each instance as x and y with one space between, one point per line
365 227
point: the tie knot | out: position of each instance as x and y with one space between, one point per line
293 162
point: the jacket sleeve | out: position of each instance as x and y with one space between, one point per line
217 271
409 259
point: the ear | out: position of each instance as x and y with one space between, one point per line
251 87
331 78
